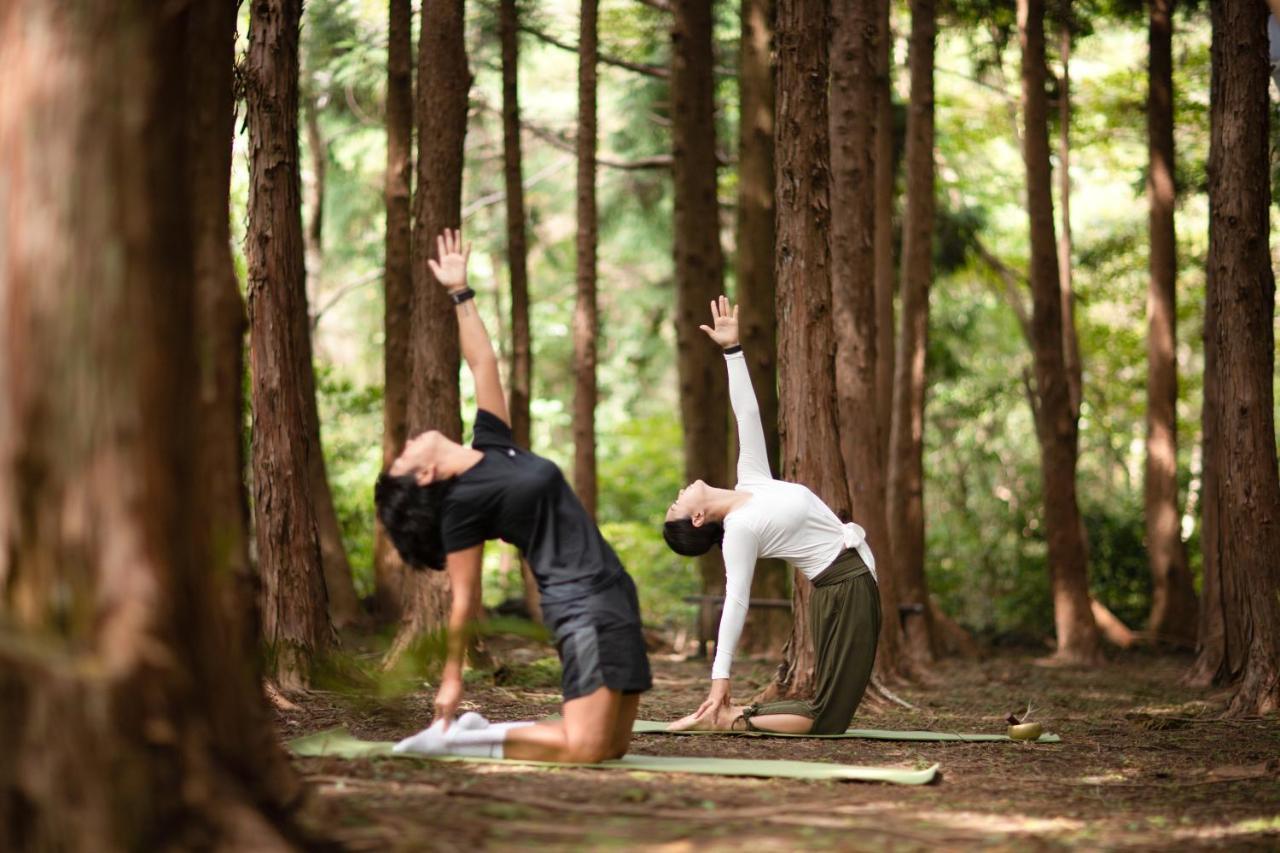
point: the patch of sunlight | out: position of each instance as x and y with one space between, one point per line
1001 822
1251 826
1103 779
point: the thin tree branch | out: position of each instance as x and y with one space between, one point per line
567 143
657 71
342 292
531 181
1013 282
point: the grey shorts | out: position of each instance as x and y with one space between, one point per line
601 644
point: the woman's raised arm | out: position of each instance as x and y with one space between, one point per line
451 271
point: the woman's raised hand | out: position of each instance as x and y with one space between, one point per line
725 317
451 268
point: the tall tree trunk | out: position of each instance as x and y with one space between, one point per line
242 728
517 255
1211 634
389 571
433 402
126 667
1056 425
585 322
1241 290
295 604
699 261
1173 597
767 629
853 302
883 253
1070 341
808 428
906 445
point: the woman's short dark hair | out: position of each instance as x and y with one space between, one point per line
410 514
690 541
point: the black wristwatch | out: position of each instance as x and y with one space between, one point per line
461 296
731 350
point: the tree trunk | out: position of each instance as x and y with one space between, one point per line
767 629
852 134
810 437
906 445
295 604
699 261
131 655
884 180
521 377
389 571
1241 289
1070 341
1173 597
433 401
1056 425
585 322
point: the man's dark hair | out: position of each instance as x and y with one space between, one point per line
410 514
690 541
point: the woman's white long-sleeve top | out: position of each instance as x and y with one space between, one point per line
781 520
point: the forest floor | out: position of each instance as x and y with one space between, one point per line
1144 763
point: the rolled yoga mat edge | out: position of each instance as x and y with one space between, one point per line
658 727
339 743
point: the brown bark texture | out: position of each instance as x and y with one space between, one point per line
389 570
1056 425
295 614
884 182
809 433
1070 340
131 692
699 260
444 82
1173 596
767 629
521 374
585 320
344 608
853 299
1241 291
906 443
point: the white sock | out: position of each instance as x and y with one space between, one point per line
487 742
429 741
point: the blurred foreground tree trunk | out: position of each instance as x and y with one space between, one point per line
127 592
810 435
1240 449
767 628
1057 427
585 322
699 260
883 252
853 300
1070 340
444 82
295 602
1173 595
521 375
906 444
389 570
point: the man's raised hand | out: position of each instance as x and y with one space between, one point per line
451 268
725 318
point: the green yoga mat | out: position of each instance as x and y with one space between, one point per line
657 727
339 743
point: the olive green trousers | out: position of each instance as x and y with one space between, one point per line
844 620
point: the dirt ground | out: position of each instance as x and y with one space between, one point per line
1144 763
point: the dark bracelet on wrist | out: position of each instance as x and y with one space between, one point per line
731 350
461 296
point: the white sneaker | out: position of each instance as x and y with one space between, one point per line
469 722
429 741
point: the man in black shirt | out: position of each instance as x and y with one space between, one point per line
441 501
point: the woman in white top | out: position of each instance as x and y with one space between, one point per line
762 517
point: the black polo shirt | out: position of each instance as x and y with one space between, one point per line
515 495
